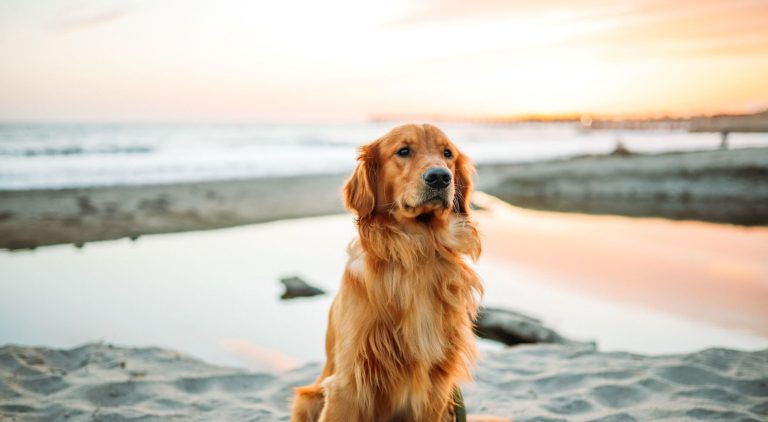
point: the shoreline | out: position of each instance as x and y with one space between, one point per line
215 294
77 215
588 277
718 186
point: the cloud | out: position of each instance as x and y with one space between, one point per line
711 29
459 11
634 21
87 21
644 29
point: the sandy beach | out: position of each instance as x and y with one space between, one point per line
215 295
173 232
667 316
526 383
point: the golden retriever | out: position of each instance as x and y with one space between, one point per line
400 337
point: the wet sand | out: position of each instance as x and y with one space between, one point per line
53 216
721 186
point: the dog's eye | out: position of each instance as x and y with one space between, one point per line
447 153
404 152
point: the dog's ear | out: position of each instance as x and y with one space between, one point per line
463 184
360 190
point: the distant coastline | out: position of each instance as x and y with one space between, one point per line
744 123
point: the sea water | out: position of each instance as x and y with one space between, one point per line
40 156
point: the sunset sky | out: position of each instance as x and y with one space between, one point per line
239 60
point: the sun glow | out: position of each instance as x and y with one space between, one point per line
118 60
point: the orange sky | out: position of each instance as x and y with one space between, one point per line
343 59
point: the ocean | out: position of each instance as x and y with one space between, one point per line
44 156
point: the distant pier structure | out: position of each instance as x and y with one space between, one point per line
728 123
665 123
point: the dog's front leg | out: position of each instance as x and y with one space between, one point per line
440 400
441 414
342 404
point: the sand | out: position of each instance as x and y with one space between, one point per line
723 186
53 216
555 382
526 383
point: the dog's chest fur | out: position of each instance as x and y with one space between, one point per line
406 314
423 302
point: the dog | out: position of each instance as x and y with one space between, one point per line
400 337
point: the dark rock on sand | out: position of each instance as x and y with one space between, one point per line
296 287
512 328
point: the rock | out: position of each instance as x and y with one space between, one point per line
296 287
512 328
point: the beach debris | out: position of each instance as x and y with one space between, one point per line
137 374
296 287
512 328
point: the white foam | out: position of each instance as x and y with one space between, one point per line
60 156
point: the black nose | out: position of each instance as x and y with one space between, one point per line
437 177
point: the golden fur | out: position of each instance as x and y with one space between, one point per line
399 336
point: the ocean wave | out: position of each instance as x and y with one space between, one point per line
74 150
55 156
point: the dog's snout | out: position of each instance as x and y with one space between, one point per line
437 177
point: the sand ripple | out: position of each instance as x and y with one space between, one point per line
526 383
580 383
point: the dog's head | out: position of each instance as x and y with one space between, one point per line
412 172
